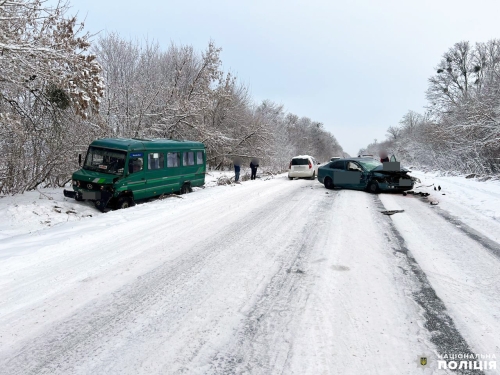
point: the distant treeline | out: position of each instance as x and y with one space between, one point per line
60 90
461 129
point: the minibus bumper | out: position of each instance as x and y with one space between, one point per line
69 193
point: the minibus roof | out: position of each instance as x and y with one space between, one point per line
137 144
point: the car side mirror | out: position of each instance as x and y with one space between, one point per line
80 159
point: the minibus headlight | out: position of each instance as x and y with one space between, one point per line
107 188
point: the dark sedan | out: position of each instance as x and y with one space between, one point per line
365 174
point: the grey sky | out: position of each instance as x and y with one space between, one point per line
357 66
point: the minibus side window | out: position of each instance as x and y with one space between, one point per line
199 157
135 164
188 158
155 160
173 159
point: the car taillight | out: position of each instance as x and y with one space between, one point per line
310 165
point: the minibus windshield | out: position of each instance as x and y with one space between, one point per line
105 160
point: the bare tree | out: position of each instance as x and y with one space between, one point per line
49 84
461 130
44 53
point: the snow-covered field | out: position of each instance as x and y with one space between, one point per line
264 277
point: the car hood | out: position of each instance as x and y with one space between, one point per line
380 169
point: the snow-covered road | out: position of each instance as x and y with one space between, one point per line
266 277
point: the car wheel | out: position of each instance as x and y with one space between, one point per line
373 187
186 188
328 183
98 204
290 178
125 202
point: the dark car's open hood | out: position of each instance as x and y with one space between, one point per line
380 169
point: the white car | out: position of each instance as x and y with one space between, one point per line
303 166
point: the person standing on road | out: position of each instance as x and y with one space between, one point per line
254 164
237 164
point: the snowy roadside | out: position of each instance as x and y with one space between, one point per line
44 208
40 209
475 203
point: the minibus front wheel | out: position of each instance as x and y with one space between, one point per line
125 202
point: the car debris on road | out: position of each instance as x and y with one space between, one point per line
392 212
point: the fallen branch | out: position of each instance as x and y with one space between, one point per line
45 195
163 196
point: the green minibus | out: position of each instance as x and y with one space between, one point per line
119 171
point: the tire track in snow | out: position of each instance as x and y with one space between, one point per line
443 332
264 342
88 333
492 246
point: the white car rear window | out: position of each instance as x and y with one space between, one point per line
300 161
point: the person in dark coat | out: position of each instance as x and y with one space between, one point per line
254 164
236 173
384 157
237 164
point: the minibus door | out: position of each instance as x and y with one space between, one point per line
156 177
136 179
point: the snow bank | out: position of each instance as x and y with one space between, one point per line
474 202
44 208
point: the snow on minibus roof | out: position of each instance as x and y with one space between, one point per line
132 144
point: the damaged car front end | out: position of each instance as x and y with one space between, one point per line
390 176
366 174
96 180
90 186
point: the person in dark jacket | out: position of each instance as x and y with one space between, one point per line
384 157
236 173
254 164
237 164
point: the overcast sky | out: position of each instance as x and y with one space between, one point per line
357 66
